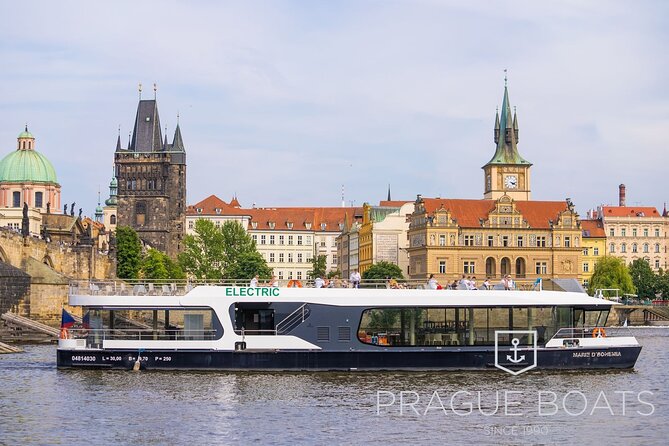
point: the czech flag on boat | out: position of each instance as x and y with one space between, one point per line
86 321
66 320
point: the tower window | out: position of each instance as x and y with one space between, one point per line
112 219
140 213
38 199
16 199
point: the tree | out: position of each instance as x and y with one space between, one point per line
318 266
157 265
644 279
247 265
663 284
215 252
335 273
611 272
383 270
128 253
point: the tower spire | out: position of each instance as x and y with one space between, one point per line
140 91
389 192
118 140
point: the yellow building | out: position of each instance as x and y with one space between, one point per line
594 247
505 233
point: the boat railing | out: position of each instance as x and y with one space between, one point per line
97 335
583 332
143 287
293 319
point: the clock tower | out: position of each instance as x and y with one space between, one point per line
507 173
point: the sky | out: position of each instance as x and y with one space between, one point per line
283 103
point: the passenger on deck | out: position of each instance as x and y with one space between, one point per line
355 278
254 281
432 283
319 282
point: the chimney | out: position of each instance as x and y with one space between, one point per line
621 195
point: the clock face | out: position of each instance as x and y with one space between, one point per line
511 181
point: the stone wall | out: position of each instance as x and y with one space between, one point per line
14 288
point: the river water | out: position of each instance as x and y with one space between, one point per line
43 406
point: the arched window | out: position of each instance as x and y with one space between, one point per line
140 213
16 199
634 247
490 267
112 219
612 248
38 199
645 247
657 247
505 266
520 267
623 247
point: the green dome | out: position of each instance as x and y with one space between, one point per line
26 134
113 182
22 166
98 210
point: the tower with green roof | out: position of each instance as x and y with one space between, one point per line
507 173
27 176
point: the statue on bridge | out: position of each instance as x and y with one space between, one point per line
25 222
72 209
79 214
48 207
65 209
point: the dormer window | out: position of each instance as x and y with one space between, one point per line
341 226
254 224
218 211
198 210
323 226
289 224
307 224
272 225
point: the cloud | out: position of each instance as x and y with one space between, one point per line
283 102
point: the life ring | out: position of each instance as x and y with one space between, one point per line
294 284
64 334
598 332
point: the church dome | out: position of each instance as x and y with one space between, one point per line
26 165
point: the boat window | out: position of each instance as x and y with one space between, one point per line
178 324
459 326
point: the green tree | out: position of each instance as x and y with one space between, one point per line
157 265
248 264
318 267
663 284
643 277
128 253
611 272
334 274
383 270
215 252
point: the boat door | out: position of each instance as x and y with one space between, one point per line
255 321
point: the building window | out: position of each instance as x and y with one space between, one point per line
469 268
263 239
442 266
657 263
299 240
645 247
491 240
271 257
634 247
112 220
519 240
623 232
308 240
645 232
567 241
16 199
541 241
290 239
469 240
657 247
334 258
280 257
612 232
290 257
586 267
255 238
254 225
323 226
140 213
271 239
280 275
612 248
442 239
585 251
633 232
623 247
657 232
595 251
299 257
281 240
505 240
541 268
38 199
299 275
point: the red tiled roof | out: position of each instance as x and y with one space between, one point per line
629 211
592 228
469 212
209 205
299 217
394 203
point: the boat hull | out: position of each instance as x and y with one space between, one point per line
386 359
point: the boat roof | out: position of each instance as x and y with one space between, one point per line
210 296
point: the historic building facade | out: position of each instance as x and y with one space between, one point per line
594 247
383 234
635 232
151 175
505 233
